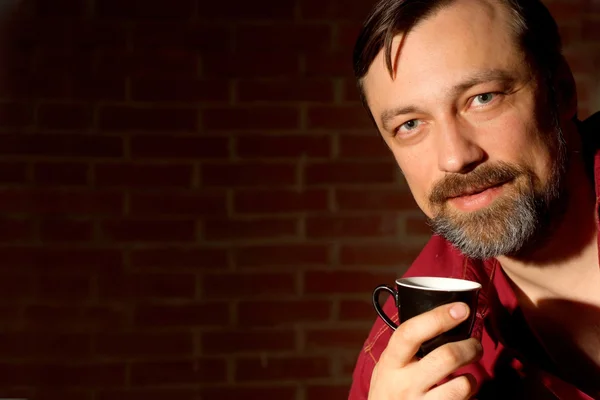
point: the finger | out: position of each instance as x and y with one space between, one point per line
409 336
446 359
460 388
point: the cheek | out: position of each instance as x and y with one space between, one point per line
418 174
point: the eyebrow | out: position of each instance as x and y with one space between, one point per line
474 80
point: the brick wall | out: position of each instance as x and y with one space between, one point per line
193 203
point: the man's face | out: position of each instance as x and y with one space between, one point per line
464 120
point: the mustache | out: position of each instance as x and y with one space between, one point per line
477 180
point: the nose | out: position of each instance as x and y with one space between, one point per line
457 151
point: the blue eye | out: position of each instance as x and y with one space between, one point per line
484 98
410 125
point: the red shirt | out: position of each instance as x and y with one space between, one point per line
514 364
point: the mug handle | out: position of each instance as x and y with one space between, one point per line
378 307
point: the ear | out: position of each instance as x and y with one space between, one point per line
565 90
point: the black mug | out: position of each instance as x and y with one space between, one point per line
414 296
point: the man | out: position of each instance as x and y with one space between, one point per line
479 109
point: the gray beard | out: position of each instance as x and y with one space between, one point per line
512 223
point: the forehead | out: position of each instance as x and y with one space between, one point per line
462 39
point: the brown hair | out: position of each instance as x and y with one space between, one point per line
535 28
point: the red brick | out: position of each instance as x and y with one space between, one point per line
13 172
144 344
17 287
179 203
247 341
194 258
335 339
143 175
147 286
97 88
265 64
283 146
354 147
374 199
40 345
282 255
350 172
39 85
285 37
227 229
281 201
239 285
570 33
565 11
345 227
255 118
417 226
329 392
354 310
54 201
148 119
248 174
333 64
377 254
147 394
180 9
69 61
15 230
181 315
179 147
60 8
63 287
339 117
249 392
148 230
70 230
61 259
182 90
97 34
260 9
345 281
203 370
73 318
71 173
278 91
282 368
64 116
62 395
148 63
175 35
282 313
336 9
15 114
347 35
351 93
61 145
591 28
55 377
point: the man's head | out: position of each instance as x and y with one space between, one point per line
470 96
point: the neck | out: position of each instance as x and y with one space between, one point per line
570 251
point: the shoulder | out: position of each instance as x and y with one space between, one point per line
438 258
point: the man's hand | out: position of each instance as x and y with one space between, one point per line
400 375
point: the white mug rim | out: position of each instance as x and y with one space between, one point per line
438 284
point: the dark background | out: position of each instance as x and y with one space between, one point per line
193 203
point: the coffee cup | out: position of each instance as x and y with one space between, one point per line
414 296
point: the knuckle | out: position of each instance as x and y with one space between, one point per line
405 334
449 354
460 389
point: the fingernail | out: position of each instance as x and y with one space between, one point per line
458 311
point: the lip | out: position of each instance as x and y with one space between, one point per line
474 191
476 199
